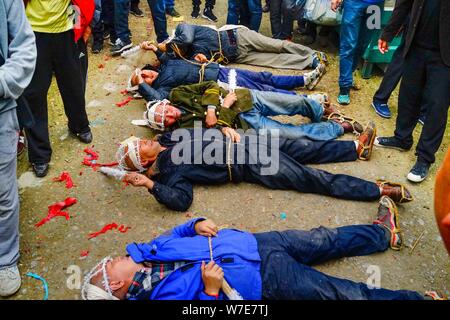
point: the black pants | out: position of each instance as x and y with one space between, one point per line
84 62
425 84
208 3
60 54
293 174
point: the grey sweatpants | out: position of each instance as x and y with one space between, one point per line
259 50
9 197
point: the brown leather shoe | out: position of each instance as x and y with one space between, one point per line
349 124
365 140
388 218
395 191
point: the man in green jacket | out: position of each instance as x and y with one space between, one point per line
246 108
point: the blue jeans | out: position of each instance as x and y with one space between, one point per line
268 104
263 81
282 18
119 28
158 8
286 259
237 16
352 39
169 4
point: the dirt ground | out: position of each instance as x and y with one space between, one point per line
53 250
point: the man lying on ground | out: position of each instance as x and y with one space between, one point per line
176 160
159 80
235 43
244 108
270 265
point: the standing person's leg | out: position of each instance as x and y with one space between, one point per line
196 8
108 19
435 102
257 49
287 13
71 85
159 19
275 18
9 204
354 11
390 80
255 10
170 8
123 42
39 149
97 28
208 11
84 61
135 10
233 12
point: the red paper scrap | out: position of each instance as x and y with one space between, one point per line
107 228
91 160
84 253
65 176
101 66
55 210
124 102
124 91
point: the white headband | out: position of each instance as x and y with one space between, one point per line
150 114
130 147
92 292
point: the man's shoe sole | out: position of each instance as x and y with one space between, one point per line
118 52
207 18
414 178
378 113
376 143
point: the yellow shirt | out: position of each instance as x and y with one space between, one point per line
50 16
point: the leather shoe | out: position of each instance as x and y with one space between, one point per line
40 169
85 137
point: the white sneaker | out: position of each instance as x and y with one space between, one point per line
10 281
319 97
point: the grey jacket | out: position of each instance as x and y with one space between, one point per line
17 52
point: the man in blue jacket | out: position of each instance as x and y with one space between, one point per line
17 63
171 73
270 265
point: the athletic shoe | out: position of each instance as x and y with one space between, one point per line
119 47
382 109
97 47
319 97
391 142
135 11
421 120
344 96
10 281
195 12
208 14
173 13
419 171
388 219
313 78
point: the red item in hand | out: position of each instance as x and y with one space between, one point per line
124 102
65 176
55 210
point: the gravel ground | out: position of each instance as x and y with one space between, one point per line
53 250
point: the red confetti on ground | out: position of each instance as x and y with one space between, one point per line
124 102
124 91
55 210
91 160
65 176
84 253
101 66
107 228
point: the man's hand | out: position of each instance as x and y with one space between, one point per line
136 78
232 134
138 180
335 4
200 57
87 33
383 46
148 45
206 228
212 276
229 100
211 118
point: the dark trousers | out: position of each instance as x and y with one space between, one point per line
158 11
245 12
84 62
392 75
282 14
286 259
208 3
425 84
56 53
292 174
120 29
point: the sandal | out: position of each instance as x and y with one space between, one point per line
388 218
366 139
349 124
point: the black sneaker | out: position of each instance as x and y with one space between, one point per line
173 13
119 47
135 11
208 14
97 47
195 12
391 142
419 171
40 169
106 34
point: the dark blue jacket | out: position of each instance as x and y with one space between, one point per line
174 73
194 39
235 251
